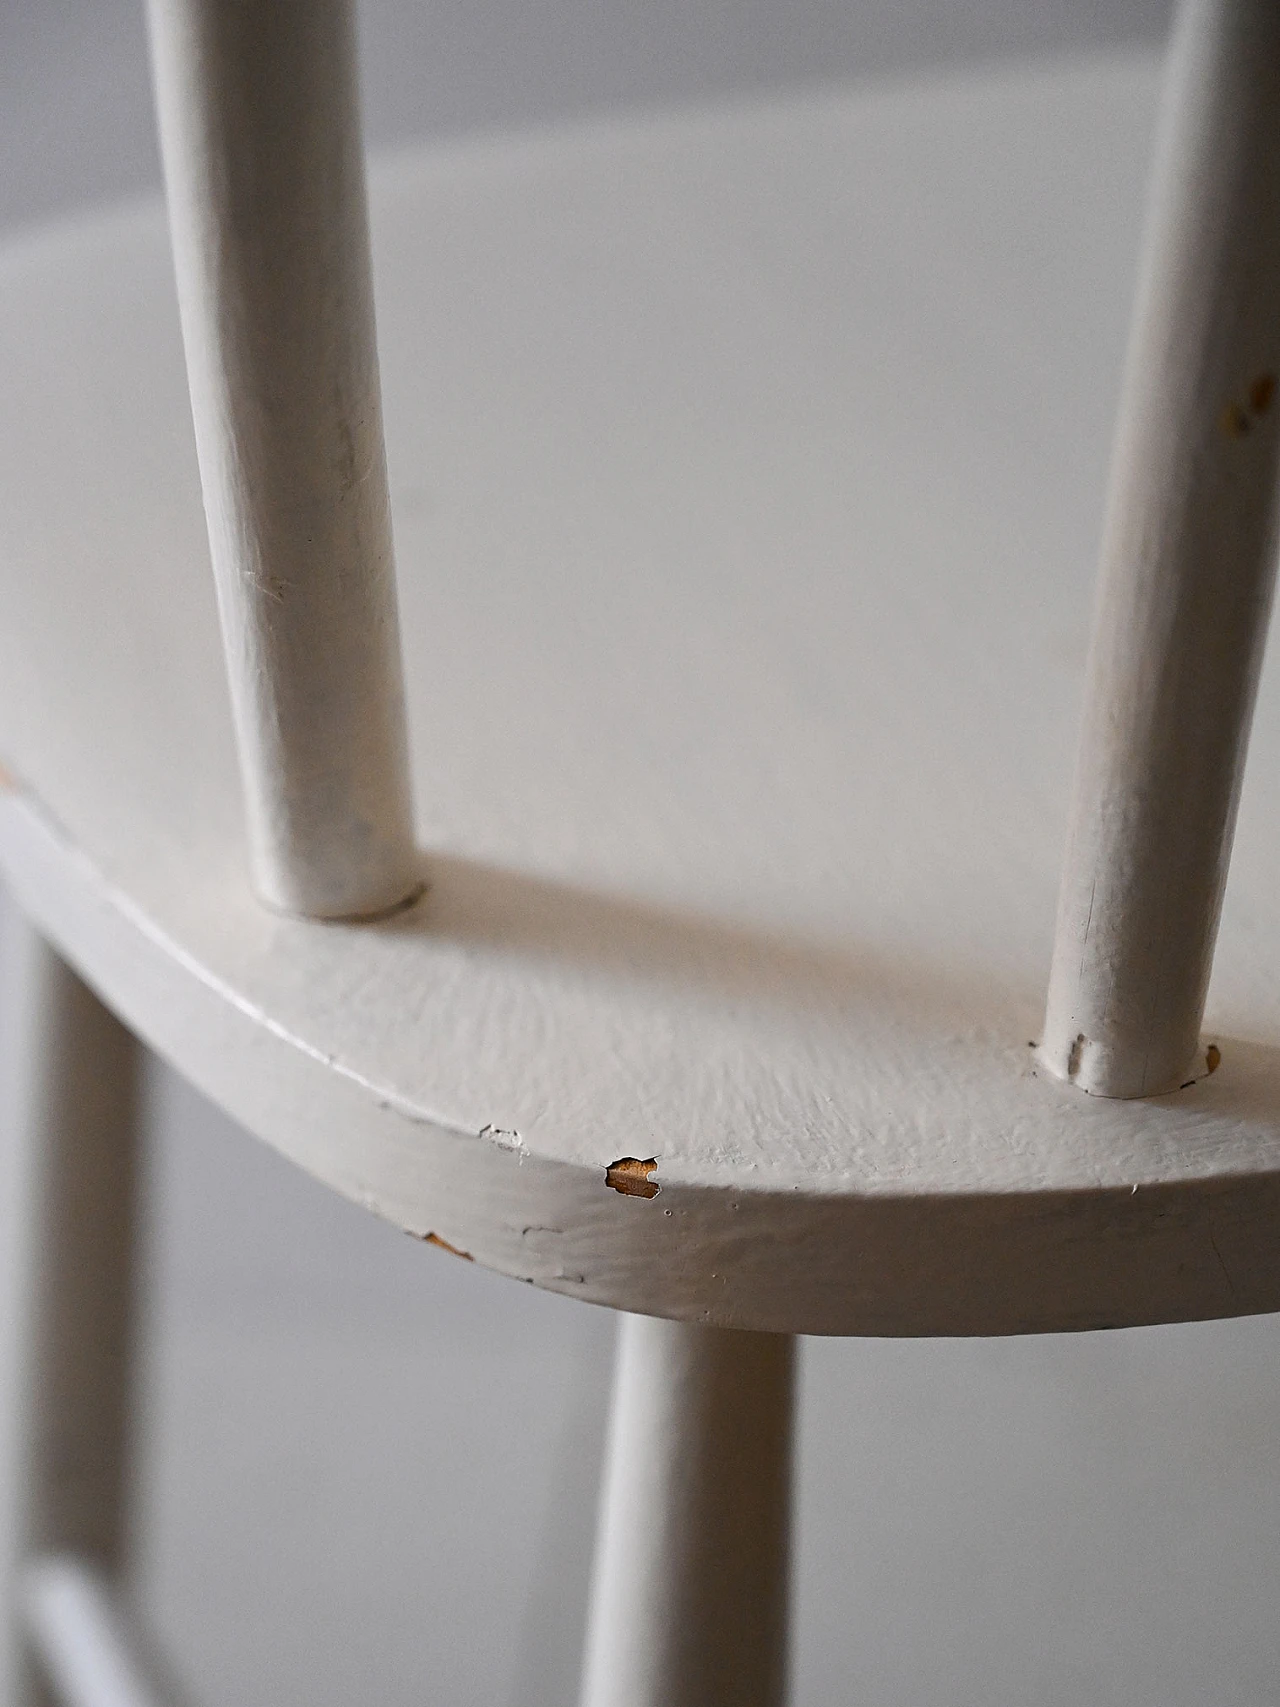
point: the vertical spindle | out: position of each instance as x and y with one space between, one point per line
1186 578
68 1231
690 1599
260 135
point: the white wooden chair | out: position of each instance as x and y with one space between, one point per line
745 485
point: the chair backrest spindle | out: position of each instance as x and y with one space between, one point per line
265 176
1187 572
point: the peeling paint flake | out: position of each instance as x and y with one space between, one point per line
505 1137
630 1176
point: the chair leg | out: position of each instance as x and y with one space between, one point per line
690 1599
68 1148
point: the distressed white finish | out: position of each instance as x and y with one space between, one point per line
1187 574
747 471
689 1601
265 179
84 1643
69 1076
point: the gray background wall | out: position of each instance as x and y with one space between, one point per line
369 1470
75 121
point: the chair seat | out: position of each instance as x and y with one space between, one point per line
747 470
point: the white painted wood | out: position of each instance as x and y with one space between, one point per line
689 1600
70 1072
265 175
1188 567
747 469
85 1643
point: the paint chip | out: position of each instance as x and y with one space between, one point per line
1262 393
444 1245
1076 1056
505 1137
1234 421
630 1176
1237 419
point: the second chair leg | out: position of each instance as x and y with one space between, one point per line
689 1605
68 1149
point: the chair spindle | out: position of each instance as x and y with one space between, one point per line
259 126
690 1598
1188 565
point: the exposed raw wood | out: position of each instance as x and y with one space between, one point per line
1186 582
261 143
69 1087
689 1602
747 469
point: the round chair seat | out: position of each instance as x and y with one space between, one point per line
747 472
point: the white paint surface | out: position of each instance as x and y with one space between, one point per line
372 1470
747 474
264 172
1188 566
69 1081
690 1598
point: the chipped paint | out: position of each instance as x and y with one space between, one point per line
630 1176
1234 421
444 1245
1237 419
1075 1057
505 1137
